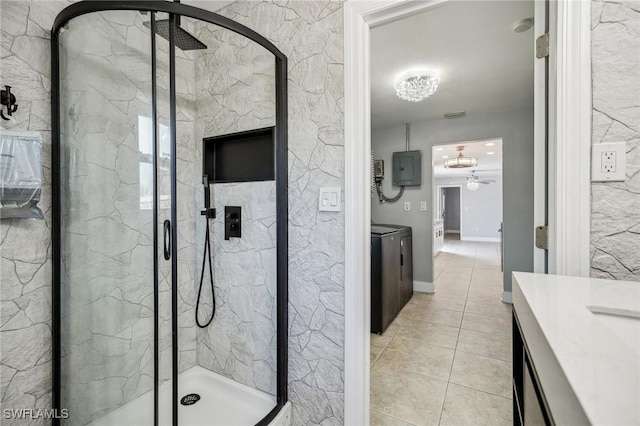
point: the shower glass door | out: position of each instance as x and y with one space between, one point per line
145 331
165 226
106 219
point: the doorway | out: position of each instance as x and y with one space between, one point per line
450 213
466 139
565 78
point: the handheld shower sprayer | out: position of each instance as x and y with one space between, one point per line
209 213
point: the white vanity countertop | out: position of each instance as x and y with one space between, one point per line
596 356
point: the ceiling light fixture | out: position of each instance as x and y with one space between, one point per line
445 156
472 183
490 153
489 144
440 149
460 161
416 86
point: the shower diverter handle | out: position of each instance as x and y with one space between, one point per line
167 239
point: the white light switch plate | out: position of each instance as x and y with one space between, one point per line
608 162
407 206
329 199
423 206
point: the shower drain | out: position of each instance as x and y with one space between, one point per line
190 399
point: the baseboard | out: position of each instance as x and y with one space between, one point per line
449 231
482 239
423 287
507 297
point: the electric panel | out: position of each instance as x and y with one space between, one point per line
407 168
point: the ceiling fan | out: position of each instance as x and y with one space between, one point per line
473 181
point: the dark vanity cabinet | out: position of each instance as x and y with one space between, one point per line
529 405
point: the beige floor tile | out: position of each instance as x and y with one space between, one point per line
493 307
380 419
437 316
452 292
464 406
433 334
417 357
377 345
486 324
406 311
491 345
481 373
440 301
408 396
486 288
457 270
395 326
449 281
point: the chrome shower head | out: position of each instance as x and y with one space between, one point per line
184 40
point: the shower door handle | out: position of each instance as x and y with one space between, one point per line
167 239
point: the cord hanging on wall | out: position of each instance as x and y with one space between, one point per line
8 99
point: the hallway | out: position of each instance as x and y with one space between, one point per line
446 358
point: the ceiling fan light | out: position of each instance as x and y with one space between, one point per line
472 185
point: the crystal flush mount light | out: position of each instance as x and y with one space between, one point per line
416 86
460 161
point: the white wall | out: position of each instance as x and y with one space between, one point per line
480 210
516 130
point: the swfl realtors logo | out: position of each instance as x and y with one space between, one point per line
35 413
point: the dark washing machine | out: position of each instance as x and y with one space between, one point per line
406 261
385 277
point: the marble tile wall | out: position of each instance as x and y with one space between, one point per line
235 81
108 355
310 33
615 214
25 253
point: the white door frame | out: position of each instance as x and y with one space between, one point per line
569 171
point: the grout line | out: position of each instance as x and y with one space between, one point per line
393 417
484 356
483 391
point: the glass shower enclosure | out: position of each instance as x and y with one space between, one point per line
169 217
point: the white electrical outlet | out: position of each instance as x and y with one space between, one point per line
407 206
608 162
423 206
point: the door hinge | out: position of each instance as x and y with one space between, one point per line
542 46
542 237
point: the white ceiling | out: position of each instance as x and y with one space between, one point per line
483 64
488 164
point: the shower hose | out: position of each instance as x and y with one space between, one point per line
206 256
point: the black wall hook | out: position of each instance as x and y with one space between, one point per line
8 99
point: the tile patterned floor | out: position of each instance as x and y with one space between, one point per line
446 358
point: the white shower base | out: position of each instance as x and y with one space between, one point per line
223 402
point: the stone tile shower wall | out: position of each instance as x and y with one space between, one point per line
109 246
25 254
615 219
235 81
310 33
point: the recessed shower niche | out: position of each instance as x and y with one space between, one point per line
158 320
